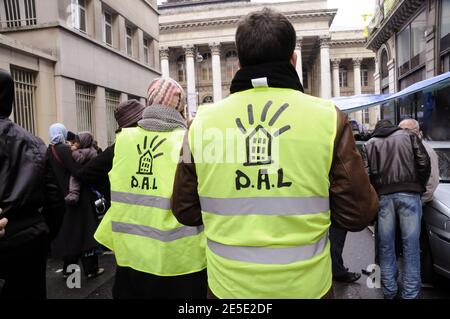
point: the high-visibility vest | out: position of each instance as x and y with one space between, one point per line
140 227
263 159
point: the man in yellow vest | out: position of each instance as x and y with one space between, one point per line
266 171
157 258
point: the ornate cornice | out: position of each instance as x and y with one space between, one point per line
235 20
391 24
348 42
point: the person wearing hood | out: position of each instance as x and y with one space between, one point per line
75 237
399 168
157 258
83 151
24 239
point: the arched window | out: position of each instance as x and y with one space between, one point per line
208 99
181 68
232 63
384 63
206 67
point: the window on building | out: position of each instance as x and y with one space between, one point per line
19 13
411 44
232 64
343 78
445 27
181 69
206 67
112 101
208 99
79 14
108 28
366 116
85 98
364 77
146 51
129 36
25 99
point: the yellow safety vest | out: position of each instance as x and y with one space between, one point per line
140 227
263 159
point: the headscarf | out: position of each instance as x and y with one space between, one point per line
86 139
58 134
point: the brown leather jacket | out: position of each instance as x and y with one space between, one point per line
354 202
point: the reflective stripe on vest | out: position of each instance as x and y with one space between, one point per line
264 192
150 232
280 206
140 227
142 200
269 256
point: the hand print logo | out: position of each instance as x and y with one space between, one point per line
147 155
259 142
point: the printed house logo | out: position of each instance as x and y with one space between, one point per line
259 147
147 155
259 141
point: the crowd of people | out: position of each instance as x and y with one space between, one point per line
190 228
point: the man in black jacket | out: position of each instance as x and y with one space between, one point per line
23 248
399 169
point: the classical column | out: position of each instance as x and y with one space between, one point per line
164 56
325 70
217 71
375 113
357 75
100 126
391 69
376 78
190 78
336 85
298 51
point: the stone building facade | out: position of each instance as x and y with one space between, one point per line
411 40
74 60
198 49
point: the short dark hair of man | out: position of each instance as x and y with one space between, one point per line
383 123
265 36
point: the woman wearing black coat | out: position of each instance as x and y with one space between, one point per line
75 238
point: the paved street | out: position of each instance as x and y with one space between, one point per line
358 254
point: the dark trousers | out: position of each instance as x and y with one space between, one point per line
23 270
133 284
88 260
337 239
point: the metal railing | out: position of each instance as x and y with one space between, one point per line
112 101
85 98
17 13
25 99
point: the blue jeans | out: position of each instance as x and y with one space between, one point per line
407 209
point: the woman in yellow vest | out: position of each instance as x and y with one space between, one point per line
272 169
156 256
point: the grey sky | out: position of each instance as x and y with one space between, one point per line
349 15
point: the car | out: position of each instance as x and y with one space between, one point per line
435 239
